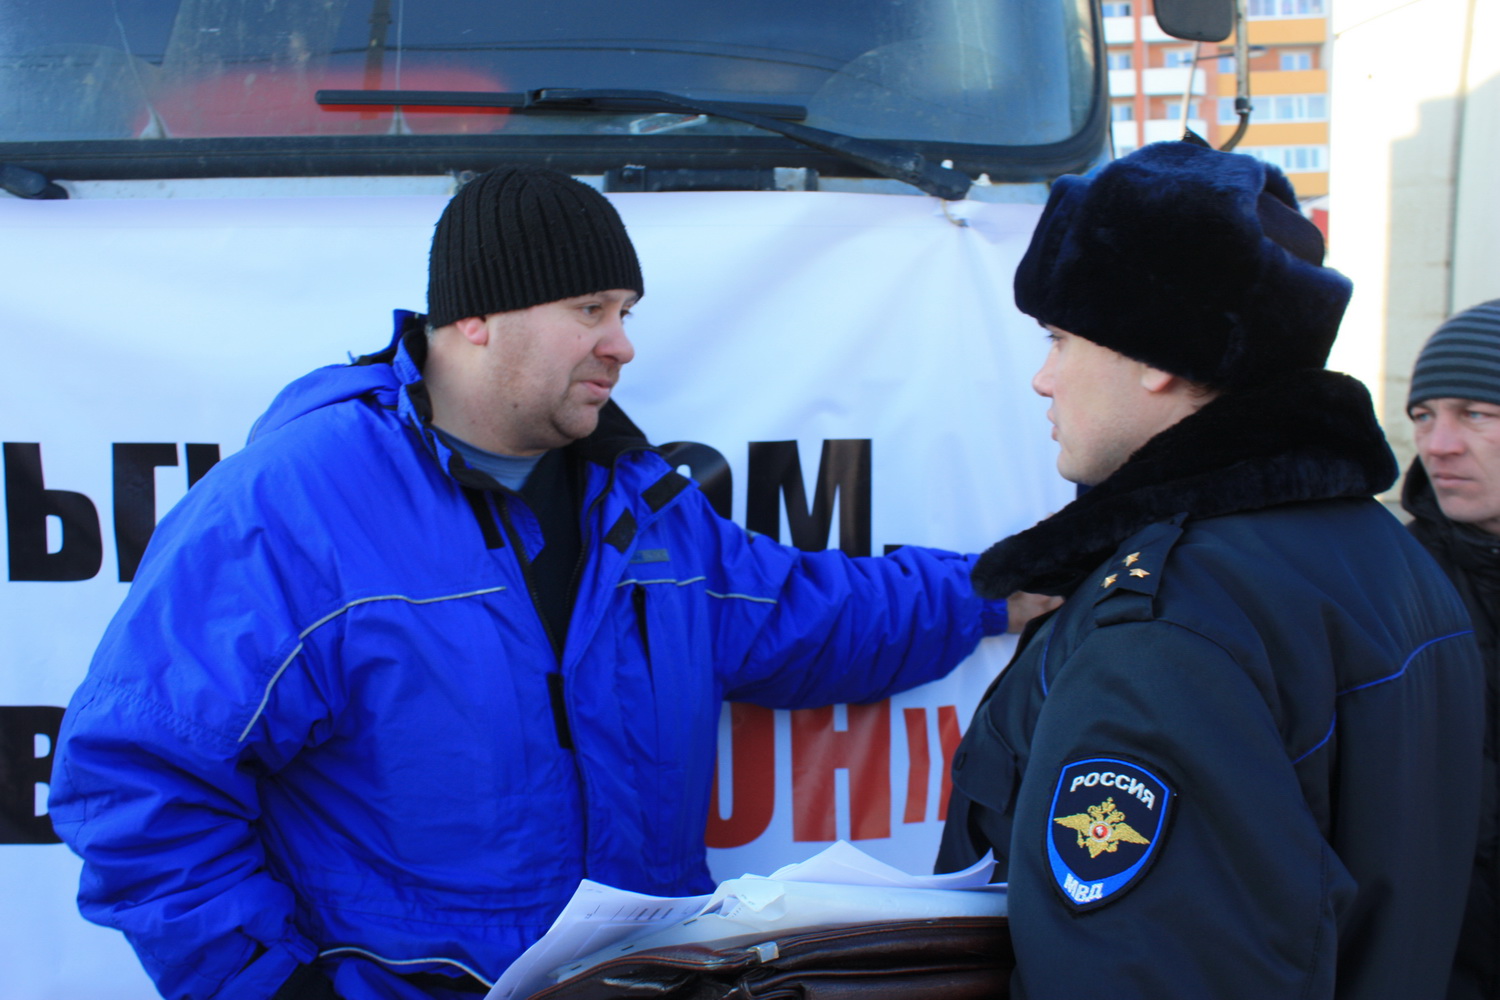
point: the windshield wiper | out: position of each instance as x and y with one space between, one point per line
25 183
881 158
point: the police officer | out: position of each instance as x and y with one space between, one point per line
1242 760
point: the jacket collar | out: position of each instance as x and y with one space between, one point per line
1419 500
1307 435
1465 545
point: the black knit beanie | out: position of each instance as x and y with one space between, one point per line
517 237
1461 360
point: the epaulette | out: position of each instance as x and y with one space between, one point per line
1125 588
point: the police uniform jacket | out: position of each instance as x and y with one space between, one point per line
1242 759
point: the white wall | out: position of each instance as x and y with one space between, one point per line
1414 205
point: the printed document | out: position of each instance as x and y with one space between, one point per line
840 885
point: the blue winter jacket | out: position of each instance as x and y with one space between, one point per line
328 725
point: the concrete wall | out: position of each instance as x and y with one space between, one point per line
1414 208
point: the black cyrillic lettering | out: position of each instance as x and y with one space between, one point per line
135 500
200 458
28 504
23 771
843 477
708 468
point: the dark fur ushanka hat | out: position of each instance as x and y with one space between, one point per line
1191 260
517 237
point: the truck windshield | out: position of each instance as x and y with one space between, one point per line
969 79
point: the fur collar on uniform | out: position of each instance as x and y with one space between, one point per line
1306 435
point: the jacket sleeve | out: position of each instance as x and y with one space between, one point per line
1236 890
155 780
796 629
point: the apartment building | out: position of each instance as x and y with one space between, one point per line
1151 72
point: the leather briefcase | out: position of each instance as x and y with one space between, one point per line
950 958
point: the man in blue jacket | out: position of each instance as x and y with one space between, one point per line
447 637
1242 760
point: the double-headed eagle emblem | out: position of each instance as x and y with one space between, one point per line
1101 828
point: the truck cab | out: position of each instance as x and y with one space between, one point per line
204 199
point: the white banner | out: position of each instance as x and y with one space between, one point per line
142 338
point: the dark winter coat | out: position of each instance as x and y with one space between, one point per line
1242 760
1471 558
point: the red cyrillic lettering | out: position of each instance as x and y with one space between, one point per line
818 750
919 765
949 736
752 768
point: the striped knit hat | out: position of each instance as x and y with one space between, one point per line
1461 360
517 237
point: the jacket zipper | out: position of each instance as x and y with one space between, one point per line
555 690
638 599
555 683
559 709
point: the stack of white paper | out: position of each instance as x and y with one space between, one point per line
841 885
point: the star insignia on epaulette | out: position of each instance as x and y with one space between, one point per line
1101 828
1140 573
1132 559
1109 581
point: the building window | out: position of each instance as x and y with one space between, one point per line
1171 110
1296 108
1174 58
1122 112
1292 59
1116 9
1118 60
1287 8
1279 108
1226 64
1292 159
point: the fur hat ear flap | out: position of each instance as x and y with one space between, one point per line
1191 260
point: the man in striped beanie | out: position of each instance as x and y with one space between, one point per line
1452 492
1241 760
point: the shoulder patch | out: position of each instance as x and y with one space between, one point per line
1105 828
